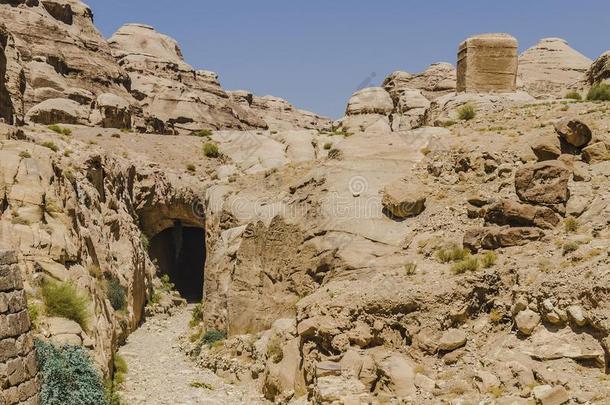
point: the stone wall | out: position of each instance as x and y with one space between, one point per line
488 63
18 368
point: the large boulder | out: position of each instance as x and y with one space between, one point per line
58 111
546 147
513 213
437 80
596 152
371 100
573 131
543 182
404 198
495 237
550 67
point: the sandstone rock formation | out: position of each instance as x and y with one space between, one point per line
487 63
186 100
550 67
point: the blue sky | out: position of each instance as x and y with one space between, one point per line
316 53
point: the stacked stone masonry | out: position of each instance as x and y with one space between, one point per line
488 63
18 368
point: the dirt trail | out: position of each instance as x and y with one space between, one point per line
159 373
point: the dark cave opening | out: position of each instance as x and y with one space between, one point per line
179 252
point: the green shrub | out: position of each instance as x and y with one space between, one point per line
453 253
50 145
191 167
328 145
197 315
115 135
410 268
211 150
145 242
489 259
210 338
203 133
466 112
60 130
25 154
470 263
68 376
34 312
166 283
571 225
599 92
116 294
573 95
64 300
213 336
120 369
570 247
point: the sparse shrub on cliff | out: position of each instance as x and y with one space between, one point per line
211 150
573 95
116 294
489 259
197 315
34 312
203 133
470 263
452 253
571 225
328 146
210 338
466 112
144 241
410 268
25 154
50 145
599 92
191 167
60 130
68 376
64 300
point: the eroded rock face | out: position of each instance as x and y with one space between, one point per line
550 67
70 54
186 99
487 63
599 70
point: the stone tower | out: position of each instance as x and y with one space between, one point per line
488 64
19 383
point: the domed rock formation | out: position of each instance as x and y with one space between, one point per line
550 67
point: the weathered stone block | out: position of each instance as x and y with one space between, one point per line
16 371
488 63
8 349
7 257
10 278
14 324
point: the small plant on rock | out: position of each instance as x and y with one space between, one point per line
571 225
573 95
50 145
470 263
68 376
197 315
203 133
64 300
451 254
25 154
116 294
211 150
328 146
599 92
489 259
570 247
466 112
410 268
60 130
191 167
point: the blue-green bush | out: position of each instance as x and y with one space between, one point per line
68 376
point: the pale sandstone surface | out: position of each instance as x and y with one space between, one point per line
551 67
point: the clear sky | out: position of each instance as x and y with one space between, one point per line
316 53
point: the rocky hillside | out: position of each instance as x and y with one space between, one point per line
447 241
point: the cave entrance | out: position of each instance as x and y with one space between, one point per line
179 252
